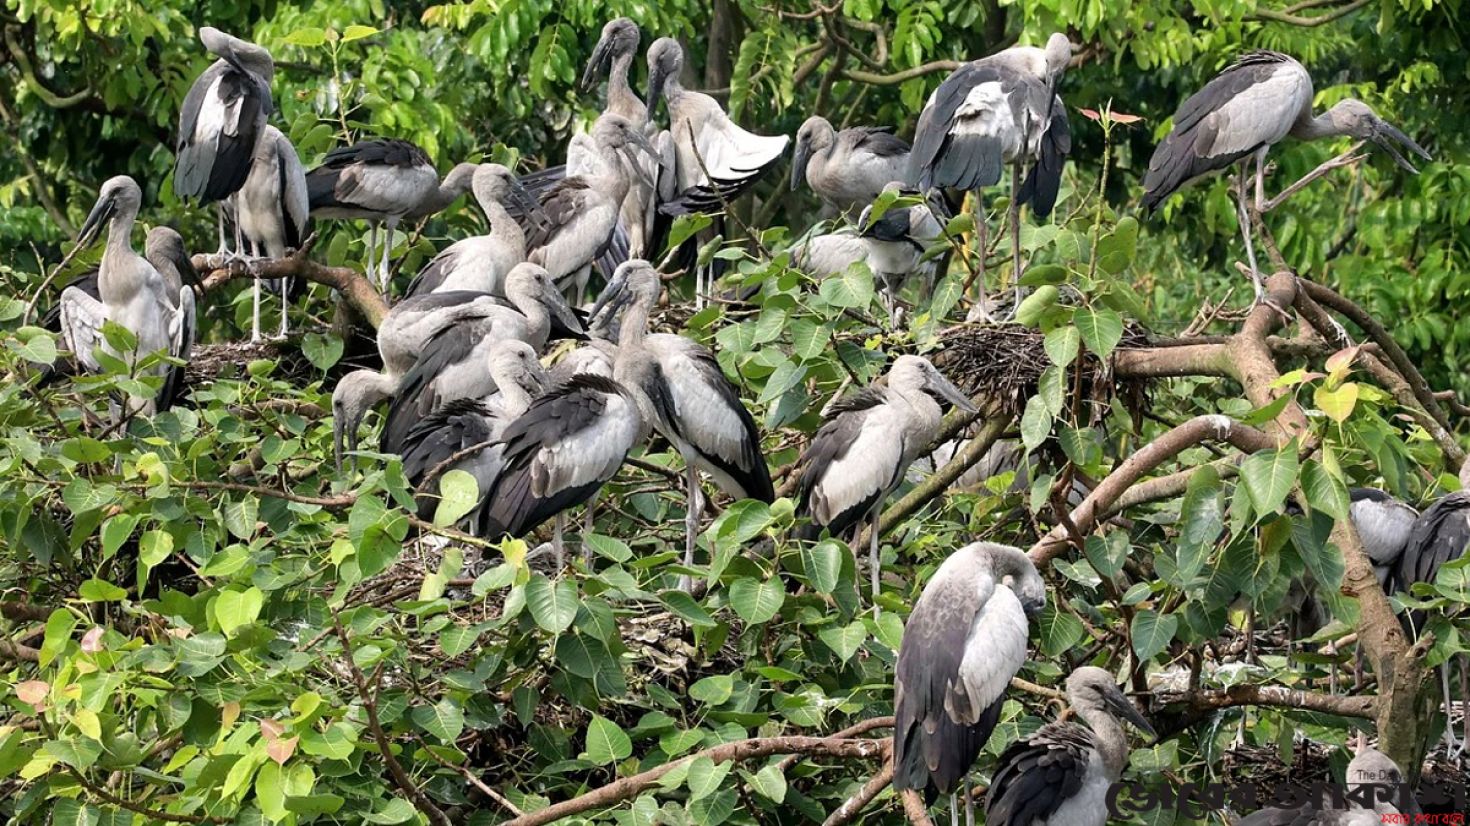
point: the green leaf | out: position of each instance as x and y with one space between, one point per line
1044 274
1269 476
1324 491
322 351
606 742
756 601
357 32
713 690
770 783
458 495
705 776
396 811
444 719
98 590
608 547
853 289
1058 631
822 563
235 609
1035 423
1033 306
846 640
553 605
240 517
687 608
1101 329
1152 632
336 743
1202 516
1062 345
308 38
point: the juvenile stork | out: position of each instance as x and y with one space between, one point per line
580 212
897 243
223 116
684 395
271 211
132 294
464 424
1440 535
1060 775
480 263
455 363
382 181
1370 767
1251 106
964 641
861 454
999 110
558 454
847 169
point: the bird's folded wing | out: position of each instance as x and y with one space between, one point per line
82 317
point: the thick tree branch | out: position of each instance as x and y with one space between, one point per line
629 787
215 270
914 808
21 653
28 73
1184 710
1272 16
1189 434
854 805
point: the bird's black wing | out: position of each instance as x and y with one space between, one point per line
433 274
1440 535
1037 774
511 506
234 153
537 184
941 159
749 468
559 206
457 426
833 440
417 396
1181 156
1044 179
933 750
878 140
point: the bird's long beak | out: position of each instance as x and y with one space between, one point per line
947 391
563 312
339 435
643 144
596 65
656 78
101 213
1126 710
800 157
1386 134
613 297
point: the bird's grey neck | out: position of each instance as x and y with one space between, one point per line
1108 734
515 396
1308 127
633 326
120 234
502 226
620 96
440 198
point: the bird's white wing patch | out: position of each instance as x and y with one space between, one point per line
1262 114
986 111
82 317
388 189
181 326
831 254
872 463
593 454
995 649
705 417
731 153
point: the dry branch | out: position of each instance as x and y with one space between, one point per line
215 270
629 787
854 805
1197 705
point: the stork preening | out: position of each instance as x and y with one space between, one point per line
998 110
580 213
271 210
898 243
1239 115
450 434
1371 768
1060 775
683 394
131 293
859 457
964 641
558 454
1384 524
223 117
715 160
454 363
383 181
847 169
480 263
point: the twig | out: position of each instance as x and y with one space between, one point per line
854 805
136 808
1308 22
479 784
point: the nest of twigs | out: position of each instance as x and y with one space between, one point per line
210 362
1004 362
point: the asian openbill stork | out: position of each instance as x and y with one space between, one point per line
1370 767
684 395
715 160
580 213
847 169
454 363
480 263
558 454
454 431
271 210
1060 775
1239 115
223 117
383 181
131 293
998 110
861 454
964 641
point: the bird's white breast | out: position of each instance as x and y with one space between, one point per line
995 648
1089 806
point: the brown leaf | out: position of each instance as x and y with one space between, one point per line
92 640
1124 118
33 693
281 750
1090 114
271 729
229 713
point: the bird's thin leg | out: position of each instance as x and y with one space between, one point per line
590 512
983 236
557 546
1464 704
1260 179
219 211
954 810
1450 743
372 260
969 803
285 305
1014 215
255 312
873 563
691 524
1245 232
387 253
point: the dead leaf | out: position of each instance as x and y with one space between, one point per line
33 693
280 750
92 640
271 729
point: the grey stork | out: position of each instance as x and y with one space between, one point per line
480 263
847 169
271 210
